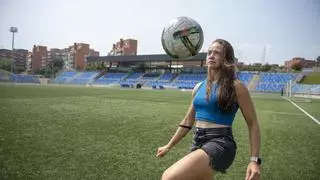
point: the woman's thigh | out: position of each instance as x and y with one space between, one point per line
194 166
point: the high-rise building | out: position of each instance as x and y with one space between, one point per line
78 53
124 47
38 57
304 63
19 58
29 61
74 56
53 54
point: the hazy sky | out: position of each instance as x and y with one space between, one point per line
288 28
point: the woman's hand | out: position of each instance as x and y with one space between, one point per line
162 151
253 171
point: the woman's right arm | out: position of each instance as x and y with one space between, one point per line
187 121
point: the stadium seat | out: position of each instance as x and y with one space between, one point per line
83 77
22 78
274 82
245 77
164 80
110 78
306 88
64 77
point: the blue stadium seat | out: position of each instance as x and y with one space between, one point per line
274 82
188 81
245 77
111 78
22 78
83 77
164 80
65 76
306 88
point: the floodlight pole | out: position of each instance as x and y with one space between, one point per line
13 30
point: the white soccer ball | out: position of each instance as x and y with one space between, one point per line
182 38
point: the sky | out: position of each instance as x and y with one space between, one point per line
285 28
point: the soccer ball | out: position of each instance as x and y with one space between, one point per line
182 38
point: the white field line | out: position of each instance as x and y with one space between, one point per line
313 118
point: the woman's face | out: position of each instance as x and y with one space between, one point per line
215 56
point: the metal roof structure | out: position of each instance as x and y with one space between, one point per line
141 58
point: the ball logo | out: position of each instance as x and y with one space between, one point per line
185 32
183 35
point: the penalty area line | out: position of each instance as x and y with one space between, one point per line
305 112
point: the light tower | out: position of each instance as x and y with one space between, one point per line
13 30
263 57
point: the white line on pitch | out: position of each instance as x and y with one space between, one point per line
313 118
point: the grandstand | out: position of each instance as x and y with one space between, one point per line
83 77
65 77
266 82
306 89
165 78
274 82
18 78
149 79
110 78
245 77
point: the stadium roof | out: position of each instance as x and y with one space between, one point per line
140 58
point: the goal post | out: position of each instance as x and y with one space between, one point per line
304 92
287 89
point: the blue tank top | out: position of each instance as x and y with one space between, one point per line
210 111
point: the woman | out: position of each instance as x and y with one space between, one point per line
214 104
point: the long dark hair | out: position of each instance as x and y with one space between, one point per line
227 75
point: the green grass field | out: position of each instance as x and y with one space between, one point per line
313 78
71 133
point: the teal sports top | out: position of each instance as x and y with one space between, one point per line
209 110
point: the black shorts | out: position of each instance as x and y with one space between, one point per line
218 143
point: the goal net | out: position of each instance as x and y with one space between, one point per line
301 92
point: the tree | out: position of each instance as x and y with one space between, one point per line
41 71
318 61
5 63
266 68
90 67
297 66
58 62
53 67
100 66
141 67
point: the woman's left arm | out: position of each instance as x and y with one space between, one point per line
250 116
